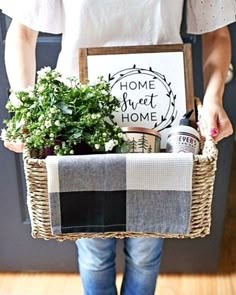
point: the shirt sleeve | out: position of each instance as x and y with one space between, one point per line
40 15
207 15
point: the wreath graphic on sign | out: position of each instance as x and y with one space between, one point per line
170 114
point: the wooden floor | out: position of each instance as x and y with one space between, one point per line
222 283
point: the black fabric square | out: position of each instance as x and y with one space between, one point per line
93 211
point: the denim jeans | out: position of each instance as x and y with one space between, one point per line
97 265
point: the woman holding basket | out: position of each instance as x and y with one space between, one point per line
91 23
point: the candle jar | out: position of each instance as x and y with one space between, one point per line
142 140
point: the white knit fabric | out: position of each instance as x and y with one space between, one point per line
166 172
53 177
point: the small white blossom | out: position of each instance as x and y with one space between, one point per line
51 135
68 82
22 122
57 123
31 94
3 134
55 74
72 152
93 116
111 98
43 72
115 142
104 92
48 124
15 101
120 135
109 145
97 146
41 88
41 117
53 110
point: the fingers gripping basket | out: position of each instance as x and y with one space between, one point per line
204 167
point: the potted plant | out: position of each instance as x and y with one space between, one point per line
62 116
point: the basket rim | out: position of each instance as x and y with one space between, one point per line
209 153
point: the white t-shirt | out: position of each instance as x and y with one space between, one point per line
94 23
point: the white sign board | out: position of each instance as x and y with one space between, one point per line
151 87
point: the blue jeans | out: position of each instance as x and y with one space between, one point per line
97 265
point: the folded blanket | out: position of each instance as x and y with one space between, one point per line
120 192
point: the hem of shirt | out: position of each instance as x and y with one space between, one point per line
31 24
211 29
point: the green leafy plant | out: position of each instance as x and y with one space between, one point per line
62 115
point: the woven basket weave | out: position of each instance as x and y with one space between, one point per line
204 167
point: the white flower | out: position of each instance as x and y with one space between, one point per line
48 124
3 134
43 72
41 117
111 98
110 145
41 88
120 135
68 82
57 123
53 110
31 94
72 152
93 116
104 92
55 74
15 101
20 123
97 146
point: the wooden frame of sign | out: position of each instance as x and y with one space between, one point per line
154 82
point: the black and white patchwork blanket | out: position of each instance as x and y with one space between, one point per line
120 192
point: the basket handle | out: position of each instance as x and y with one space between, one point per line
209 147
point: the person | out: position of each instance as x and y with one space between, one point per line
91 23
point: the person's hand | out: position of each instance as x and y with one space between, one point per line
214 121
16 147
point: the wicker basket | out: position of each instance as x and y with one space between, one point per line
204 167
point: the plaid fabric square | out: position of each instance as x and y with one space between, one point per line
120 192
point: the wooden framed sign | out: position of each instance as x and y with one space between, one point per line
153 82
